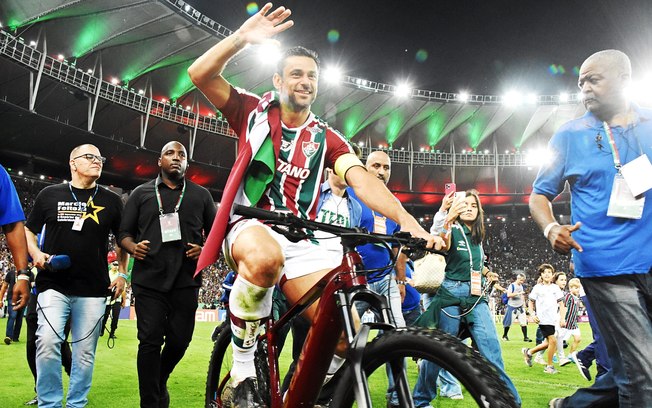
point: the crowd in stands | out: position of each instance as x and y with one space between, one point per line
512 246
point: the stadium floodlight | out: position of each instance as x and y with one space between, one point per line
32 43
640 91
402 90
486 151
538 157
115 81
268 53
332 75
512 98
141 92
564 97
361 143
20 172
423 149
463 96
60 57
89 71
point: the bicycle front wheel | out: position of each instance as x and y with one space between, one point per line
404 351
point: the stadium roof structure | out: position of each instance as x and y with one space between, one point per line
113 73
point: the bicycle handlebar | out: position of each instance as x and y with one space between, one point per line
296 223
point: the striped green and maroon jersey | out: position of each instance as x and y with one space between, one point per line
572 311
305 152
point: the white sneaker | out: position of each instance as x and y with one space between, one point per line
538 358
564 361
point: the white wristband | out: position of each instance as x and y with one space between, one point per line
22 277
546 230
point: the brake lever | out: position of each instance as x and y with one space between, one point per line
291 233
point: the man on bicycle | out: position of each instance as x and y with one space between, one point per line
283 151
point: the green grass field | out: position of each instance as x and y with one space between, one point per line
115 381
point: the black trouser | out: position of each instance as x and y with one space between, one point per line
162 318
31 318
114 310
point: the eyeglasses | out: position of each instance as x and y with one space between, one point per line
114 264
91 158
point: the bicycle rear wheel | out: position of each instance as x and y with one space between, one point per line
408 345
218 383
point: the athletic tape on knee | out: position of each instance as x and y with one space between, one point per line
248 304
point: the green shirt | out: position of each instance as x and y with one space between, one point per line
457 261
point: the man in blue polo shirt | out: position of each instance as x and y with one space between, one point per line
376 256
605 158
11 221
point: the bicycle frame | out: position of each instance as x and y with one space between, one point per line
336 290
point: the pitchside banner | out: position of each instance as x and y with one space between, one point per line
201 315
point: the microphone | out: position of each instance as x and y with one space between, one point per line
598 141
57 263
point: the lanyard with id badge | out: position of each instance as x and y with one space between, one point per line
78 223
476 275
170 225
627 199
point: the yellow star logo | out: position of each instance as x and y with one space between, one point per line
96 208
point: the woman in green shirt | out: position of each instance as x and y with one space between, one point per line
464 233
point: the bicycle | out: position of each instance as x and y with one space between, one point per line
400 348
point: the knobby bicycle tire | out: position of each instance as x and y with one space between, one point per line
472 371
217 370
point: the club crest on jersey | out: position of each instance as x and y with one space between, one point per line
309 148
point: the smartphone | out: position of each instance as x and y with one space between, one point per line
449 187
460 195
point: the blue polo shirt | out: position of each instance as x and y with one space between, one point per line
412 297
612 246
374 255
10 210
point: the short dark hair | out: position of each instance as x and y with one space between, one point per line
545 266
297 51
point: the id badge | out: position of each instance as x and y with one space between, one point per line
622 203
476 283
170 228
380 226
78 224
637 175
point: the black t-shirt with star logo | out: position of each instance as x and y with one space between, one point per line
57 209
